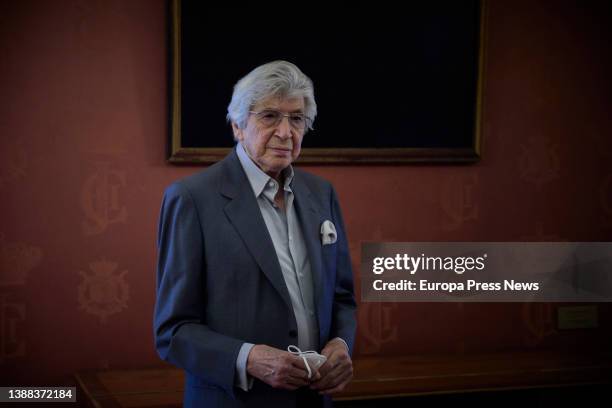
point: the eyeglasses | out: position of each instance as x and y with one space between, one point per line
271 118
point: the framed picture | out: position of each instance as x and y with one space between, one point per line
393 83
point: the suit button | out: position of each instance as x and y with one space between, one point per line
293 333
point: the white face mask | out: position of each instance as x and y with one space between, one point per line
311 358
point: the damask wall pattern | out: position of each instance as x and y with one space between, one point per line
83 125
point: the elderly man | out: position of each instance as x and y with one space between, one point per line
253 259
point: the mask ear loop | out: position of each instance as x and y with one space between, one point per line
295 350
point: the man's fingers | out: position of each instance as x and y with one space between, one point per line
287 371
292 373
338 372
299 371
323 383
298 382
277 368
300 375
299 363
325 368
329 371
315 374
337 385
285 381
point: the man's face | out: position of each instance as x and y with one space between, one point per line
272 148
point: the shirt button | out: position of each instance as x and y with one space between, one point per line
271 184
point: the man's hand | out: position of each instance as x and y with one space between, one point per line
278 368
337 371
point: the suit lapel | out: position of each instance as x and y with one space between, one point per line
310 222
244 214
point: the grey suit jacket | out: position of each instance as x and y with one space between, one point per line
219 282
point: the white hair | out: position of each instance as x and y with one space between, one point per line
277 78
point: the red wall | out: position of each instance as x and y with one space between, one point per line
83 130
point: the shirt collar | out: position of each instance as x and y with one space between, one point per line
259 180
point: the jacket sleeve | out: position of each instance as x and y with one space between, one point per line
344 307
181 334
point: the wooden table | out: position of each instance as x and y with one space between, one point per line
377 377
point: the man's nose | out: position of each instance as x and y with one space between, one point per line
283 129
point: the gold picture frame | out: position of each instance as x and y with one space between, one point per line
181 152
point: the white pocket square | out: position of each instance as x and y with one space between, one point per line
328 233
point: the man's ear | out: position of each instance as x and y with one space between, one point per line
238 136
